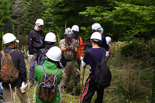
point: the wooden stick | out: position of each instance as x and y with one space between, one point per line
82 80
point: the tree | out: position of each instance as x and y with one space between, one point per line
34 10
17 11
124 21
4 16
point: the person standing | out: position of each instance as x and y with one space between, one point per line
96 27
50 40
69 47
50 66
80 52
18 60
35 43
91 86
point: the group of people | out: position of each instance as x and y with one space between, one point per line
63 61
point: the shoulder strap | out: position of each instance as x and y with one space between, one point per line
49 86
93 57
45 72
80 39
3 54
12 50
103 57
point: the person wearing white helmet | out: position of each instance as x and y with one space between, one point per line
91 86
50 40
96 27
80 52
69 48
35 43
54 55
18 59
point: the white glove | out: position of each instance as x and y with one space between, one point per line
24 85
83 64
107 54
1 85
81 58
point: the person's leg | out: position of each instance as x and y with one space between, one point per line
32 69
24 98
89 91
65 76
8 95
100 92
76 75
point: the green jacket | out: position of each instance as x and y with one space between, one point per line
50 68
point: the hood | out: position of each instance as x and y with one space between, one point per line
50 65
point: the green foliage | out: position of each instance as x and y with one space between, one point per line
63 13
34 10
125 20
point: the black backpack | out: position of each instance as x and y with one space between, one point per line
102 72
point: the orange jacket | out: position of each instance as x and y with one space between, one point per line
80 52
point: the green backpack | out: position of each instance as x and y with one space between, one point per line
8 72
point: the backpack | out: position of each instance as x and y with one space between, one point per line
43 57
8 72
102 74
47 89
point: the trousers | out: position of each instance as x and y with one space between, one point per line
8 95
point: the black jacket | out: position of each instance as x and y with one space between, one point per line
18 60
34 43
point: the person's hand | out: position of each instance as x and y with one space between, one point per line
74 50
68 49
82 44
81 58
83 64
24 85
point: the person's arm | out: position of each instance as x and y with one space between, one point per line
85 44
63 49
103 43
30 38
22 67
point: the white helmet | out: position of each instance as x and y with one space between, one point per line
68 32
108 40
96 36
39 22
8 38
75 28
96 26
50 37
54 53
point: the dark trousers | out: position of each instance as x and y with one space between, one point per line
90 88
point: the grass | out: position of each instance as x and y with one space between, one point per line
131 82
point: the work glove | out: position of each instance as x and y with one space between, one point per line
107 54
68 49
24 85
81 58
83 64
82 44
